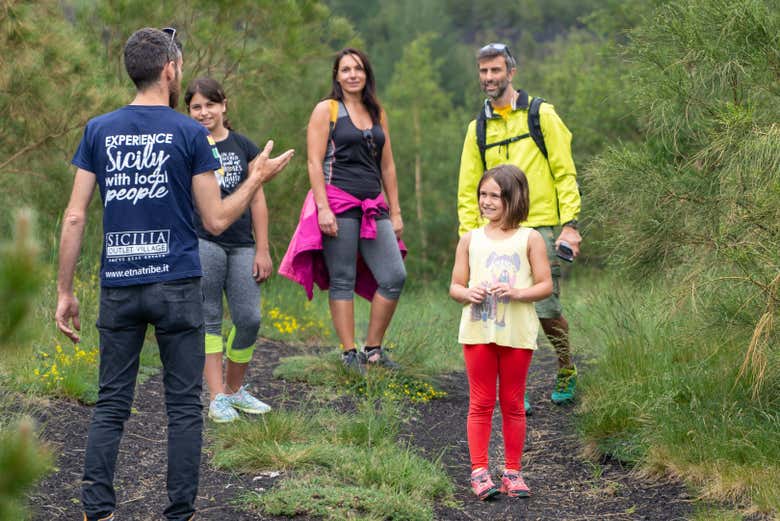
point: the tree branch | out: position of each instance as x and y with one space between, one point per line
33 146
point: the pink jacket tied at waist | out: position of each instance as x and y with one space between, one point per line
304 262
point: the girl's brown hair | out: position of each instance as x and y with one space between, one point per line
209 89
514 193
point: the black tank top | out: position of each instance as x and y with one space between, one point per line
353 160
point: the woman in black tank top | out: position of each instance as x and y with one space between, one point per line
348 145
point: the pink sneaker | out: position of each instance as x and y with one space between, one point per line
482 485
512 484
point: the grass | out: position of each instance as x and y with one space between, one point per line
287 315
326 370
715 514
422 338
347 465
659 389
422 335
336 465
48 364
340 502
662 391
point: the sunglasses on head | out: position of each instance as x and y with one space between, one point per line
500 47
172 47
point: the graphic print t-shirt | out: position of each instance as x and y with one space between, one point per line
236 152
497 320
143 158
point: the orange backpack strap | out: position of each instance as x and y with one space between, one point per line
333 105
334 112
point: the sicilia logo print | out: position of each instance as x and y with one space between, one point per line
135 169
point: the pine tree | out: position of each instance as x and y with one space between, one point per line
699 198
23 460
425 130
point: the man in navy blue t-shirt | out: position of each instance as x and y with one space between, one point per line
152 166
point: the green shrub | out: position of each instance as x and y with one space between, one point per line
23 461
663 392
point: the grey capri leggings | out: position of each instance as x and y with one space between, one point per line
381 255
230 269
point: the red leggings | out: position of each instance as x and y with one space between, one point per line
485 363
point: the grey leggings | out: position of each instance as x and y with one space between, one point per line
230 269
381 255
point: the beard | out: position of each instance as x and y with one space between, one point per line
501 87
174 90
173 99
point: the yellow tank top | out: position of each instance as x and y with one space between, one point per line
499 320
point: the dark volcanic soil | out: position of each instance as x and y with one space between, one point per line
565 486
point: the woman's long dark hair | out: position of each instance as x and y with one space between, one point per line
209 89
368 96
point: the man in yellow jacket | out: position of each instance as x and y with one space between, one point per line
555 197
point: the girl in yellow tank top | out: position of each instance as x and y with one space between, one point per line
500 270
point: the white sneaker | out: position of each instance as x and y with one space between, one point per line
220 409
245 402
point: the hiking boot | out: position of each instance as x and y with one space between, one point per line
527 406
220 409
109 517
245 402
481 484
378 358
354 361
512 484
565 385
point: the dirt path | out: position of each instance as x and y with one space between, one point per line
565 486
140 474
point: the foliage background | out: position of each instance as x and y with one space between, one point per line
674 106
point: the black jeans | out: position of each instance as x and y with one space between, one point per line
175 309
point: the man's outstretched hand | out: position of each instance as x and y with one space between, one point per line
267 167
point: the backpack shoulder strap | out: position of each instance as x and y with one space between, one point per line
481 129
534 128
334 111
333 106
535 125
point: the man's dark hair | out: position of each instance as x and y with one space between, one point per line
492 50
146 53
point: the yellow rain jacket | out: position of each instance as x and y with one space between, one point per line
555 197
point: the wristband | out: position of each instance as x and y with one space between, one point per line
572 224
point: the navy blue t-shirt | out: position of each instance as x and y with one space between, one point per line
236 152
144 158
